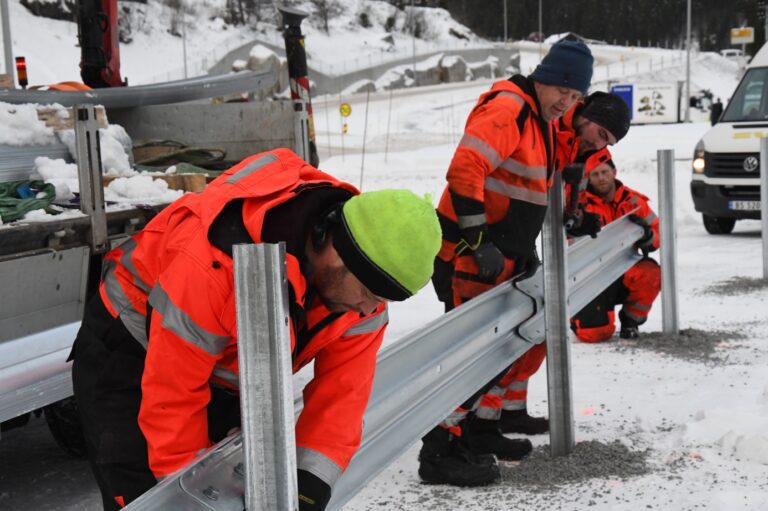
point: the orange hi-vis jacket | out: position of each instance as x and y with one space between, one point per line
172 267
567 140
625 200
503 168
568 150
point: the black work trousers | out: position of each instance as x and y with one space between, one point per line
106 375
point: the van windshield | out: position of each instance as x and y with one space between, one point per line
750 101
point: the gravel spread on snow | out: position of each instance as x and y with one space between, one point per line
691 344
737 286
589 460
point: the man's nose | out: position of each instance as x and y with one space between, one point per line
366 306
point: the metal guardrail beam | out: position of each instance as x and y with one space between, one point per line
422 377
34 372
177 91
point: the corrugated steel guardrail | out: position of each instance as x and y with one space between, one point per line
156 94
422 377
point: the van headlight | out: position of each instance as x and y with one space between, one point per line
698 159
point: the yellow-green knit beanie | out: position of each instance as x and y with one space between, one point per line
389 239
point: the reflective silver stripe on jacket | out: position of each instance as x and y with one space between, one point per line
487 412
455 418
128 247
639 306
512 95
134 321
650 217
251 168
517 385
531 172
515 192
179 322
228 376
466 221
482 147
636 317
370 325
513 404
318 464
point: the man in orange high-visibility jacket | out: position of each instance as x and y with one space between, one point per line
599 120
155 362
582 136
491 213
640 285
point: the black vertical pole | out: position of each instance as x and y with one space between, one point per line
298 77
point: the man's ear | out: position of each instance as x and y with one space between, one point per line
328 218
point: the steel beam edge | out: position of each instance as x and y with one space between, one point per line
155 94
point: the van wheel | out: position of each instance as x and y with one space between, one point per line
64 422
718 224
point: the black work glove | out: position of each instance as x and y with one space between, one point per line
489 259
441 279
314 493
573 173
646 242
525 267
589 225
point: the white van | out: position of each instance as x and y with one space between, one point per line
726 163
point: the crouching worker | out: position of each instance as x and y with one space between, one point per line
155 362
636 290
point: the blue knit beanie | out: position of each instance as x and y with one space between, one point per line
568 64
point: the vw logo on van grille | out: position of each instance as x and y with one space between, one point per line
751 163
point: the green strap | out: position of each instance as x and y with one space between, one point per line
13 207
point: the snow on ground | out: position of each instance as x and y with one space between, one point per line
155 54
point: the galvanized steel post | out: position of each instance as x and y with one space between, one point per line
89 173
266 384
669 310
764 200
561 436
7 41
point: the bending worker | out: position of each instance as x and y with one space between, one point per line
155 362
491 213
636 290
583 134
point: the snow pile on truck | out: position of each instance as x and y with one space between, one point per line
37 144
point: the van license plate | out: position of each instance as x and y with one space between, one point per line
744 205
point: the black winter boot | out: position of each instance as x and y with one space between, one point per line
629 327
518 421
443 460
482 436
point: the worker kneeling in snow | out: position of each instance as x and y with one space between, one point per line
636 290
155 362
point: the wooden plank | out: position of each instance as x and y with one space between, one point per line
6 81
52 118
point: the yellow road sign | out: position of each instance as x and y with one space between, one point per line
345 128
345 109
742 35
